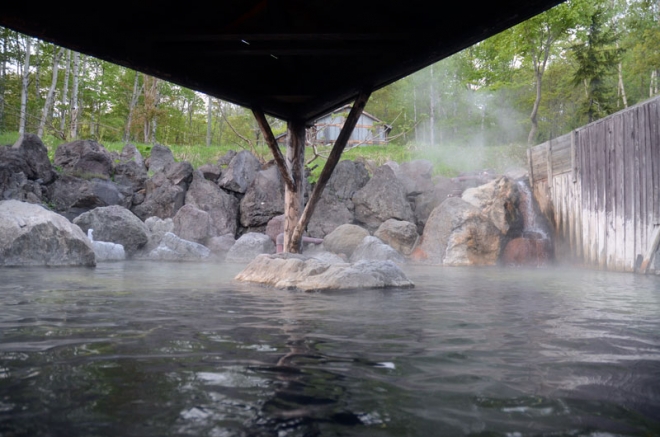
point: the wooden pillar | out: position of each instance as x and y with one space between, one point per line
293 196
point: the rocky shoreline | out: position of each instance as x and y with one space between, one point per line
232 210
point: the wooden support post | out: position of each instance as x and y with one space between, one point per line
273 146
293 196
549 166
331 163
573 156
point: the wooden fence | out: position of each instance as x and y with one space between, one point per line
600 187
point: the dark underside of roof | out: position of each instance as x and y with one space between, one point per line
294 59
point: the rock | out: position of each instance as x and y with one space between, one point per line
457 233
72 196
263 200
165 191
373 249
193 224
330 213
173 248
427 201
525 251
382 198
327 257
30 157
160 157
221 245
498 200
106 251
221 206
157 229
401 235
115 224
240 173
347 178
416 176
84 158
344 239
17 186
130 153
131 174
30 235
248 246
211 172
225 159
292 271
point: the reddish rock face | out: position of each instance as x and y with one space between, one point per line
523 251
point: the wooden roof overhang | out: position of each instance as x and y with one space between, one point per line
293 59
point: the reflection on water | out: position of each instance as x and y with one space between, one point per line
166 349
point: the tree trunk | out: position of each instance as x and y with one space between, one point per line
131 107
209 121
74 96
65 96
3 77
46 113
432 110
531 138
24 86
293 197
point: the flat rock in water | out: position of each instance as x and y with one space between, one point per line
292 271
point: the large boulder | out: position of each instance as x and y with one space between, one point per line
457 233
193 224
427 201
401 235
211 172
292 271
240 173
221 206
157 227
29 156
248 246
347 178
416 176
263 200
344 239
373 249
85 158
527 251
498 200
173 248
330 213
115 224
17 186
382 198
130 153
131 174
165 191
159 158
220 246
72 196
31 235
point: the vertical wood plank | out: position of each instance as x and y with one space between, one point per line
629 151
610 196
636 188
619 181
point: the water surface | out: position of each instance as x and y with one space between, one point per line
148 349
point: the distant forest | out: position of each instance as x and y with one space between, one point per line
573 64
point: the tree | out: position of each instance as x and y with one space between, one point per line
24 86
46 113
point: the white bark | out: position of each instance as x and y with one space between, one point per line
46 113
65 95
74 96
432 114
131 108
209 121
24 86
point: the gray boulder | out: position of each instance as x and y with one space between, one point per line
165 192
401 235
31 235
115 224
330 213
263 200
498 200
193 224
458 234
344 239
173 248
17 186
160 157
131 174
225 159
221 206
85 158
416 176
382 198
130 153
373 249
211 172
29 156
157 229
240 173
248 246
72 196
220 246
427 201
347 178
292 271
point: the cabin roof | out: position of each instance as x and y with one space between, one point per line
293 59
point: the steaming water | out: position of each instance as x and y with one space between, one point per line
530 224
137 349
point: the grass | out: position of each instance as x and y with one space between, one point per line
448 160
